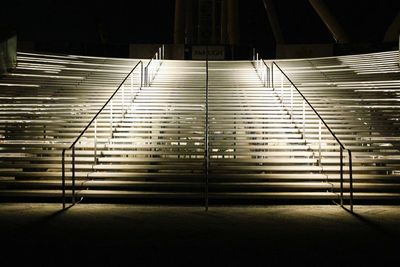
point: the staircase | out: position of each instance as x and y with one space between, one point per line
149 142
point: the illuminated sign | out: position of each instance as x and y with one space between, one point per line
214 52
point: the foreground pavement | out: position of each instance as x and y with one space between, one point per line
132 235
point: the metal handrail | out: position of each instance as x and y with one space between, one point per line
268 80
342 147
206 152
72 146
159 55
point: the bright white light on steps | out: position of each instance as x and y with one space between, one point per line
47 76
385 144
52 71
19 85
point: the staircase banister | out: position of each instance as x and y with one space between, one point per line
342 146
309 104
102 108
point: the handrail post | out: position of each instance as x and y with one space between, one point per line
73 175
265 75
145 76
132 85
291 101
319 142
123 97
111 118
304 120
206 156
341 176
351 180
281 84
95 141
272 75
63 177
141 75
257 62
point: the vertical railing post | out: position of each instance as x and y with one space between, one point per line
257 63
304 119
351 180
63 177
206 139
73 175
281 85
319 143
146 71
291 101
265 74
132 86
341 176
111 119
272 76
95 142
123 98
141 75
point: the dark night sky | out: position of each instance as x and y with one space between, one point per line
151 21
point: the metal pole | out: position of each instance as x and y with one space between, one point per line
146 74
95 141
132 85
265 75
111 118
304 119
341 176
123 97
351 180
73 175
291 101
319 139
281 86
141 76
257 62
206 137
269 77
272 76
63 177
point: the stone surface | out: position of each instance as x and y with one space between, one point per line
132 235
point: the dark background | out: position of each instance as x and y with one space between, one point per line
104 27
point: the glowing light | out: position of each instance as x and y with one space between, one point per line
47 76
19 85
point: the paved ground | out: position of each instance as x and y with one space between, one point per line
129 235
